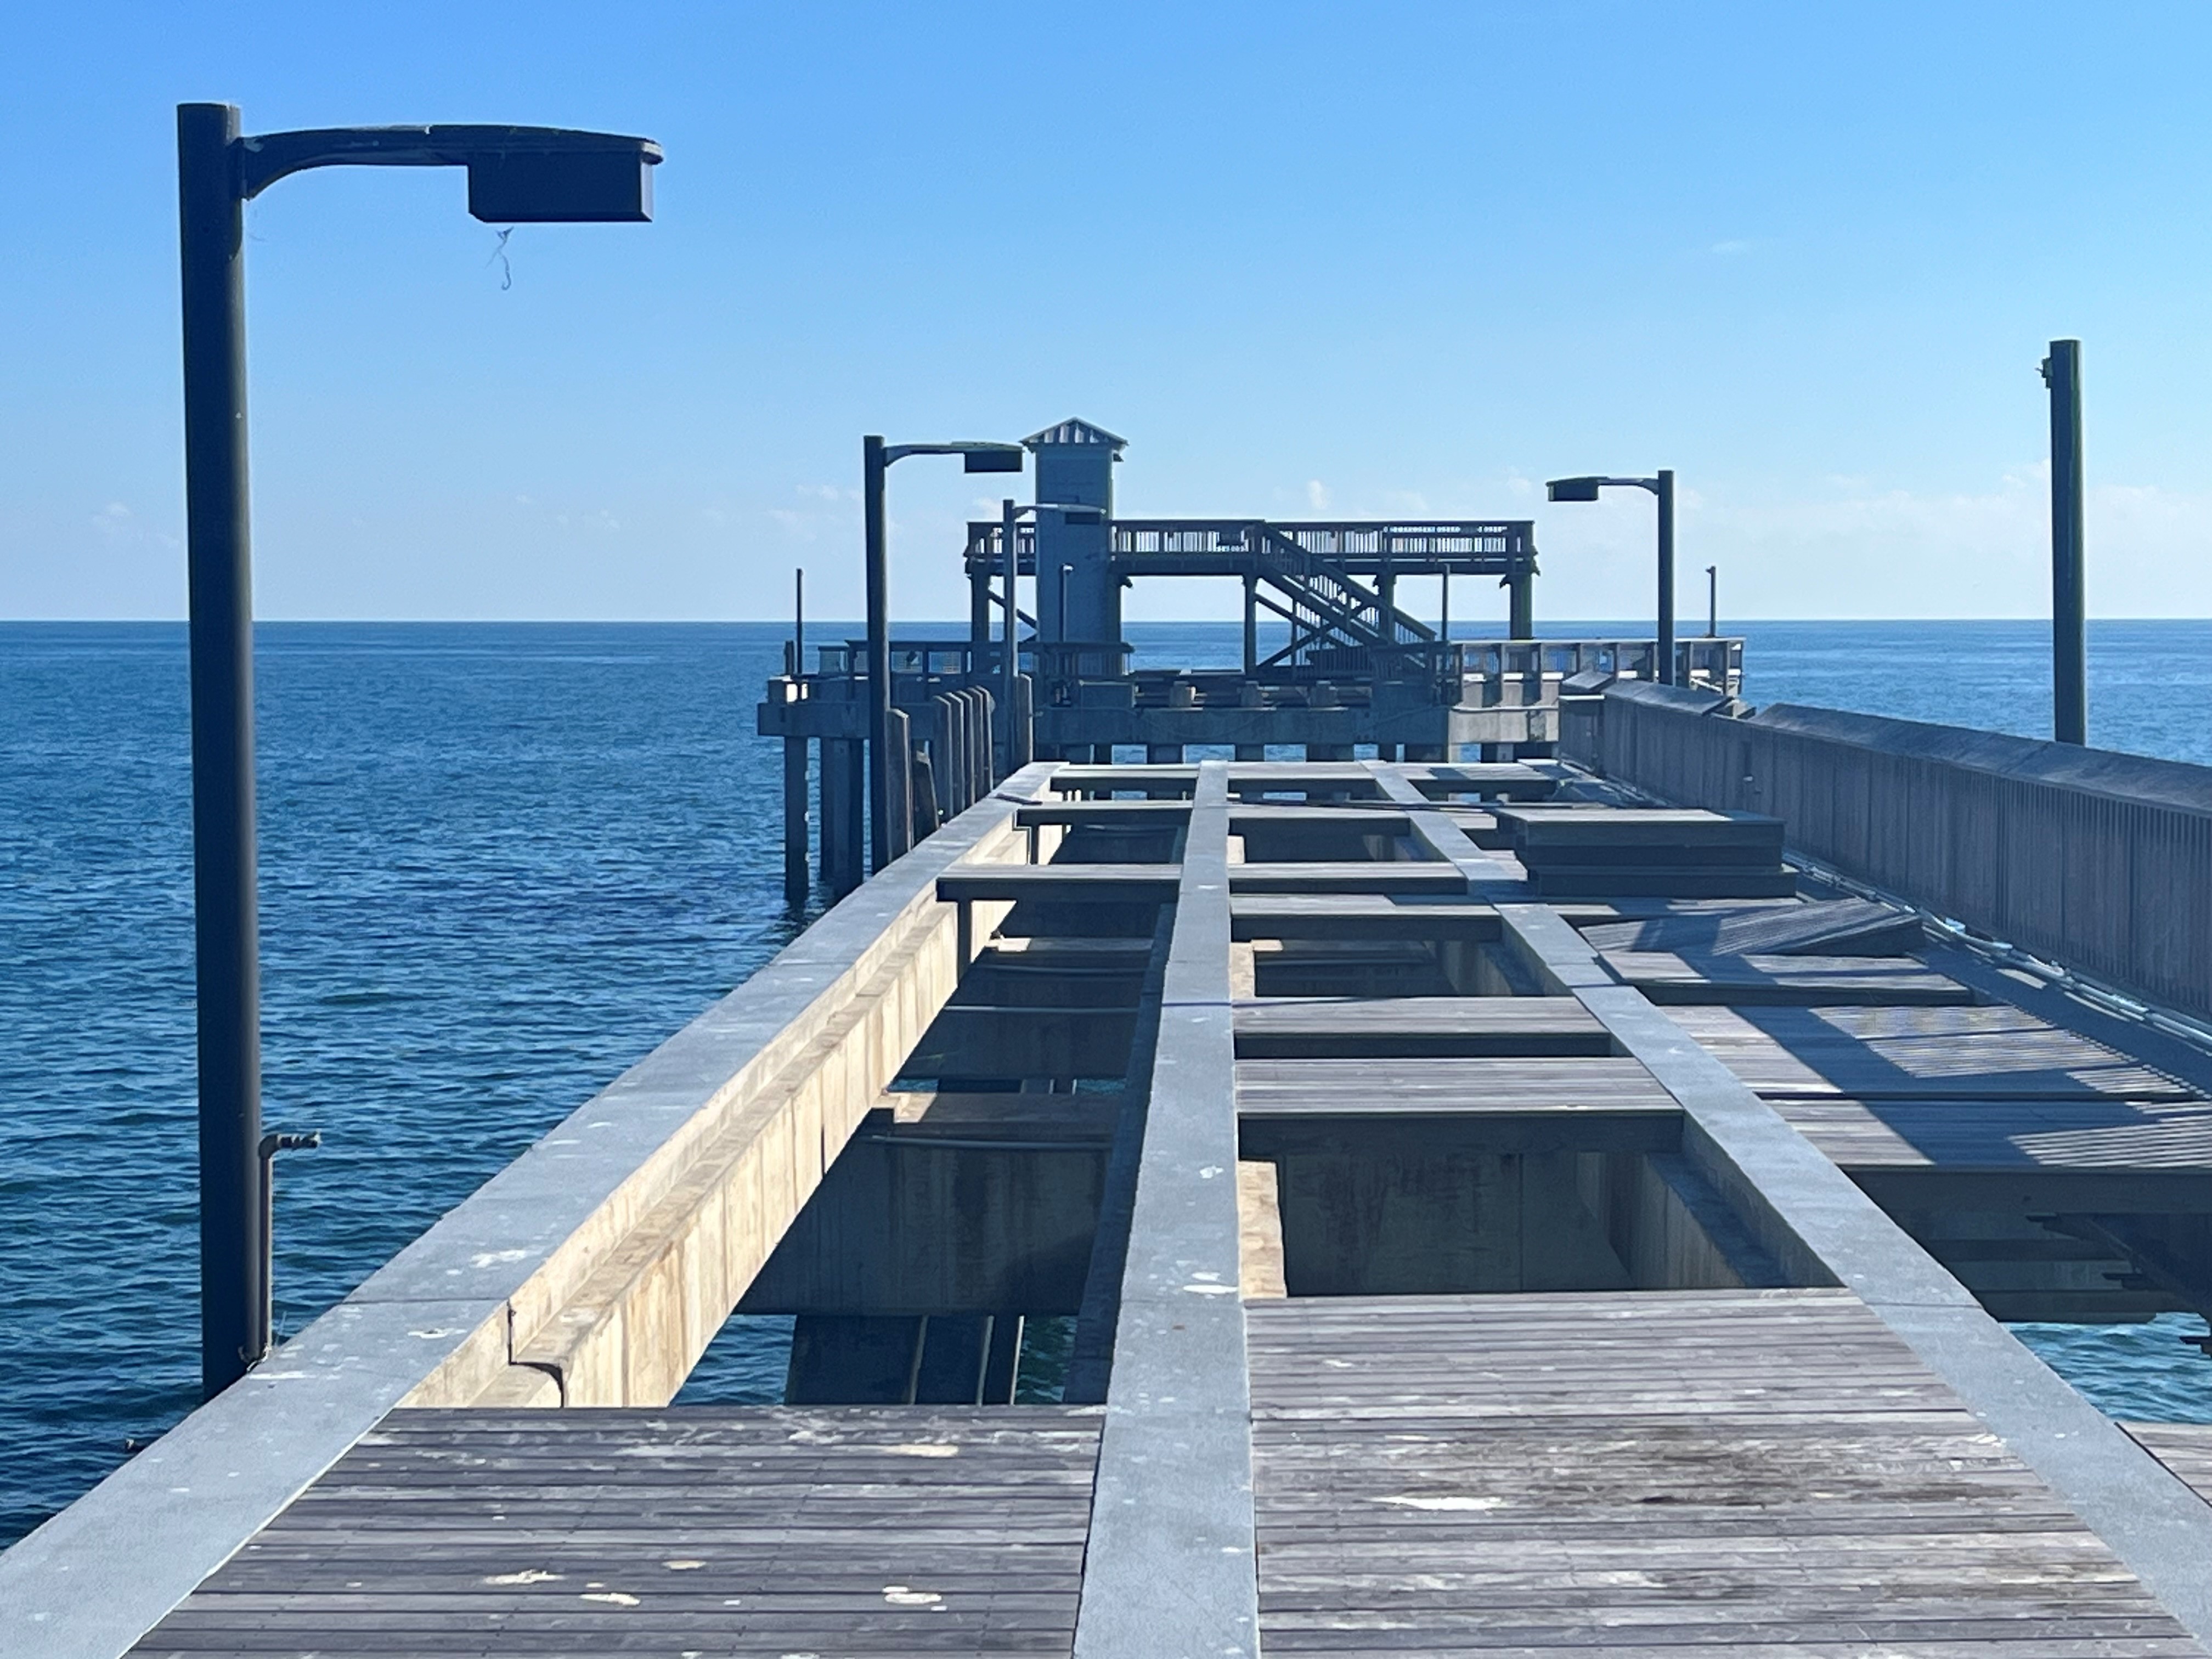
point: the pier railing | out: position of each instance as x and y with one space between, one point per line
2098 860
1480 673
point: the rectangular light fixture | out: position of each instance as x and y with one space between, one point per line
580 186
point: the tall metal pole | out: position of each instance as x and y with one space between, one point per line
1712 601
2069 670
798 620
1010 670
1666 493
879 653
1443 620
226 919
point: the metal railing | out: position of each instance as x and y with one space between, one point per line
1712 664
1495 547
1480 672
1362 547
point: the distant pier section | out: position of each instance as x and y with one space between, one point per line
1345 665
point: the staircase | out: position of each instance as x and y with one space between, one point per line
1336 620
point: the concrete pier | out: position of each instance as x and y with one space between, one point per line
1494 1214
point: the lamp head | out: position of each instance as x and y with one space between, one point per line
579 186
1572 489
991 458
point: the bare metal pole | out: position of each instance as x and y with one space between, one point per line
879 653
1712 601
1666 493
1010 670
2069 668
798 620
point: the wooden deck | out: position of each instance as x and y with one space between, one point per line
771 1532
1576 1464
2185 1448
2000 1053
1745 1473
2011 1135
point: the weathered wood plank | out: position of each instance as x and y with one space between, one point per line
1348 1027
1064 883
1675 977
1733 1473
1852 927
1346 916
1357 876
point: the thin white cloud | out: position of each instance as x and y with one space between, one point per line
1316 494
1860 552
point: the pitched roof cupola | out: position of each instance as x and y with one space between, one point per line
1075 468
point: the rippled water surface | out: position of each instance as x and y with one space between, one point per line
500 863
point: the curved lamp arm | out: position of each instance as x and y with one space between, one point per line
516 174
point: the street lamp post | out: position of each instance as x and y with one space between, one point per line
1662 486
516 175
876 459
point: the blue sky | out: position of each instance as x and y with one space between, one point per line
1348 260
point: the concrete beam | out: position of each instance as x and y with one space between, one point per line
1172 1566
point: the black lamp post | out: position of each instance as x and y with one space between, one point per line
516 175
876 460
1662 486
2070 662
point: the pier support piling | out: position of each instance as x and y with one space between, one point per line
795 884
844 796
1521 606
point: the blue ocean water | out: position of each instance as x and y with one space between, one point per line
499 862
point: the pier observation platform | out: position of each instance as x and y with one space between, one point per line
1484 1211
